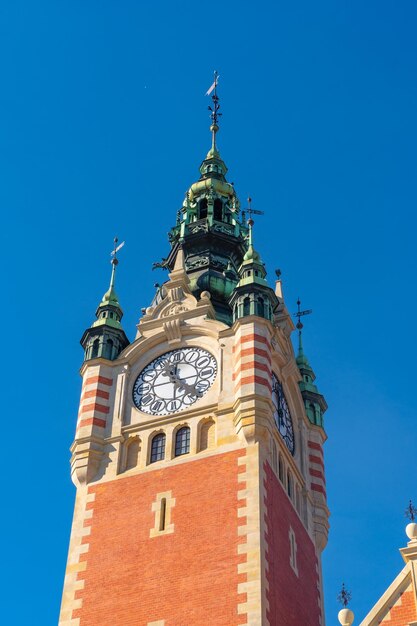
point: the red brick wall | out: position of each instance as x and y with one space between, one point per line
404 612
189 577
293 601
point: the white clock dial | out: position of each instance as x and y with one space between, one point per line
174 381
282 415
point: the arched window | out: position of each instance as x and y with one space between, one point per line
207 435
182 441
246 306
202 209
260 307
218 210
158 448
94 352
132 453
109 349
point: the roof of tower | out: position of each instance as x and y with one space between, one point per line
110 300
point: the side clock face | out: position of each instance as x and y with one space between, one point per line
282 414
174 381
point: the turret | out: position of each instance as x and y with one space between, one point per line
105 338
314 402
209 230
252 295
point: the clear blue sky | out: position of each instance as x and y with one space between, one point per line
103 124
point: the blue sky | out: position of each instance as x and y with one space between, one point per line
103 124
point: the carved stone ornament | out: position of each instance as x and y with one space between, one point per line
174 309
178 303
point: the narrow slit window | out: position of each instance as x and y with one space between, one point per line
162 514
289 485
293 551
280 469
274 455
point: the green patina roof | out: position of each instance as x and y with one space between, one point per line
109 303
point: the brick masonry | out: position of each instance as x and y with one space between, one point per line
94 403
293 600
188 577
403 612
252 362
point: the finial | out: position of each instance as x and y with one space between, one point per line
214 111
114 260
251 212
300 325
344 596
345 616
113 253
411 512
411 528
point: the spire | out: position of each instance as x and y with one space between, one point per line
301 358
252 295
110 297
106 338
251 254
314 402
208 228
214 115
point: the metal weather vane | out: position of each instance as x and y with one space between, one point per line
300 314
344 596
214 110
250 211
114 260
411 512
215 98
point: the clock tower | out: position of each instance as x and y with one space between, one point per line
198 452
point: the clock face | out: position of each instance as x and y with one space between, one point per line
282 415
174 381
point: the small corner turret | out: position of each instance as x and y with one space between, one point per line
314 402
105 338
252 295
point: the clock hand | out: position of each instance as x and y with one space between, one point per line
189 389
171 372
